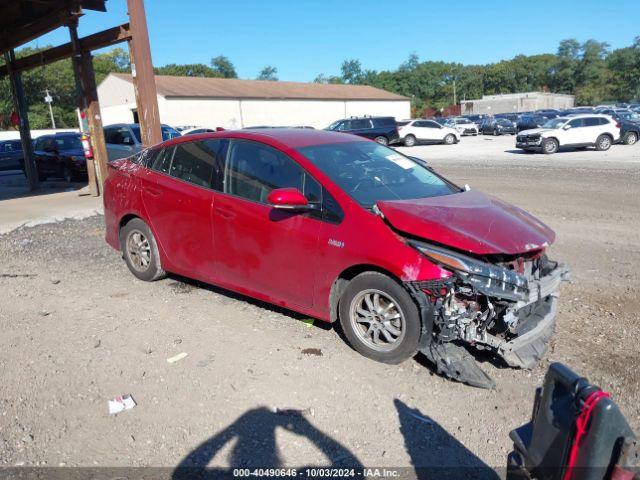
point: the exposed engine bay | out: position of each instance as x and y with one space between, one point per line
504 304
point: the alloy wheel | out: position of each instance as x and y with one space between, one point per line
377 320
139 250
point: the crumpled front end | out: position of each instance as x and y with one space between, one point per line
504 304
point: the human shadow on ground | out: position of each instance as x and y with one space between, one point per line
252 440
434 452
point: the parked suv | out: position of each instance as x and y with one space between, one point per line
342 229
124 139
413 132
498 126
464 126
11 156
383 130
60 155
530 121
577 131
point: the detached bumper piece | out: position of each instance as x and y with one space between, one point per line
576 433
455 362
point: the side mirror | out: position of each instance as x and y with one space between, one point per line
288 199
566 127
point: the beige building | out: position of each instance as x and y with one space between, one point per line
516 102
232 103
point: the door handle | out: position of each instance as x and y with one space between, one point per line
153 192
226 214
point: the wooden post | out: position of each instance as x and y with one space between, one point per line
94 119
81 101
142 73
25 131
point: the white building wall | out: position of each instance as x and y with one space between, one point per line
117 102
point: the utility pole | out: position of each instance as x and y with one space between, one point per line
49 99
454 92
144 82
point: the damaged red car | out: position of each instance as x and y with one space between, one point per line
342 229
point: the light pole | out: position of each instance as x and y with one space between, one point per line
49 100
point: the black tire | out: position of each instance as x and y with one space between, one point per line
550 146
450 139
135 259
495 132
603 143
631 138
406 343
409 141
382 140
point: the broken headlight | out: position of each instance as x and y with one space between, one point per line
489 279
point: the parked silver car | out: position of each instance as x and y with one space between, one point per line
124 140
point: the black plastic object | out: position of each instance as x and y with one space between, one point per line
542 447
455 362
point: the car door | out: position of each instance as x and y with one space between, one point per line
431 131
177 192
577 134
363 127
258 248
47 157
120 142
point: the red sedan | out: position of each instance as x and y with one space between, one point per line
341 228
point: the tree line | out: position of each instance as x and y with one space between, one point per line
590 70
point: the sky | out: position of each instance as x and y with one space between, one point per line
304 38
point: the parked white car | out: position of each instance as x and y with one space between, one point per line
464 126
195 130
417 131
586 130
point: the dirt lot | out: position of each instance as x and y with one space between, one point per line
78 329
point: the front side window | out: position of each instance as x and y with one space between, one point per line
577 122
195 162
253 170
369 172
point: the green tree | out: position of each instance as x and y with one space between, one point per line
224 67
268 73
188 70
352 72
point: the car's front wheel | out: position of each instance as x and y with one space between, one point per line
450 139
603 143
382 140
379 318
630 138
409 141
140 250
550 145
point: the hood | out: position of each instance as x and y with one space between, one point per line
534 131
469 221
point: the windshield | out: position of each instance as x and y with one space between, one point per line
504 121
369 172
555 123
462 120
68 142
629 116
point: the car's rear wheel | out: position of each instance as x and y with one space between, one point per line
550 145
495 132
450 139
379 318
382 140
603 143
409 141
140 250
630 138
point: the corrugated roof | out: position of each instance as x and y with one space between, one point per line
169 86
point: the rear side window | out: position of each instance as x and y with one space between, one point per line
385 121
162 161
592 122
253 170
195 162
360 124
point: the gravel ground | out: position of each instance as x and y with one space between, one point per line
78 329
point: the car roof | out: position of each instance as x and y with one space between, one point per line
290 137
